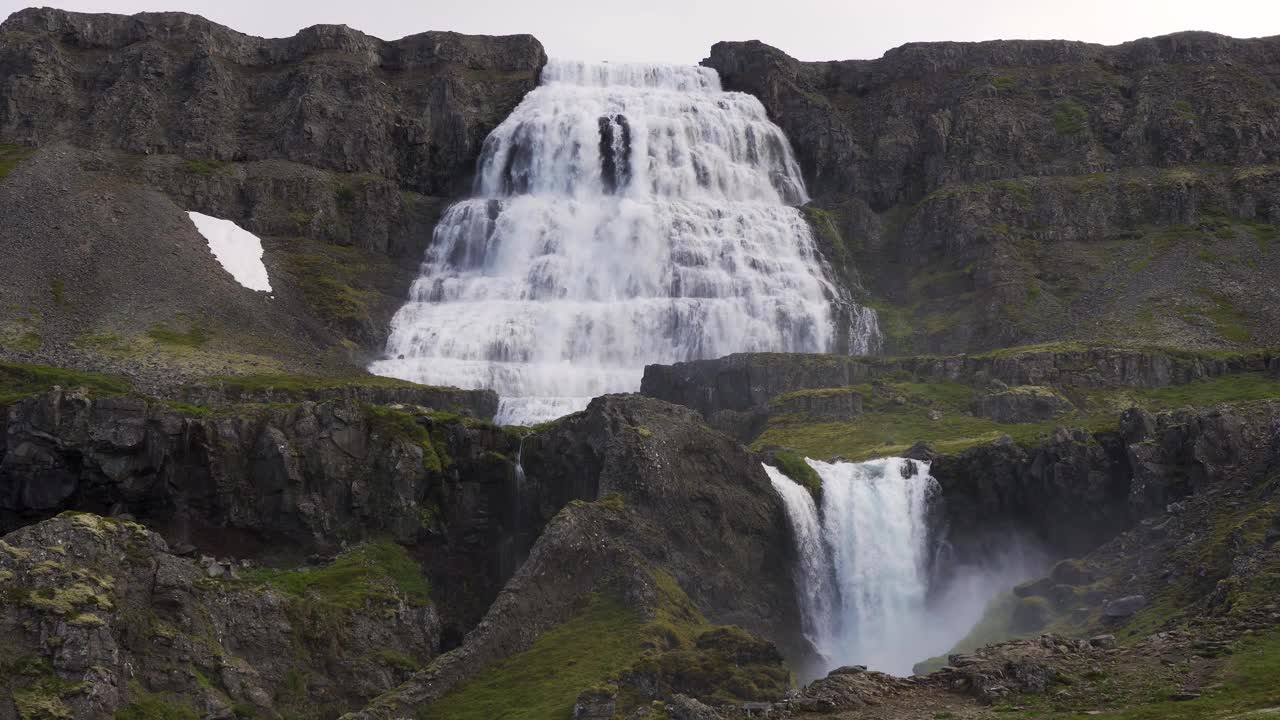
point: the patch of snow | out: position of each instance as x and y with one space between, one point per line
237 250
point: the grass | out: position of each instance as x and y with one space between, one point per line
394 424
608 645
20 380
887 428
1247 682
1070 118
794 467
373 572
543 682
326 284
146 705
195 336
202 167
301 385
10 156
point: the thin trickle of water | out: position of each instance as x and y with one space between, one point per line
623 215
863 582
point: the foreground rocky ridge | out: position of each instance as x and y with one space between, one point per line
1009 192
633 521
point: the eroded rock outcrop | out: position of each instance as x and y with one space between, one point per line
98 615
666 496
1007 192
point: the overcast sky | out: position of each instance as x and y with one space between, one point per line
682 31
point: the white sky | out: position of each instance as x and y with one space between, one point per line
682 31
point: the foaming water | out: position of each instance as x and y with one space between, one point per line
624 215
863 566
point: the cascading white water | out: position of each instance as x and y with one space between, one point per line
625 215
863 563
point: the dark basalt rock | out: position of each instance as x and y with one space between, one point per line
102 606
658 490
749 381
284 482
1014 192
1025 403
414 110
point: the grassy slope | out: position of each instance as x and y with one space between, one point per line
603 639
888 428
544 681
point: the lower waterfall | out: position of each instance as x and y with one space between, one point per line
863 564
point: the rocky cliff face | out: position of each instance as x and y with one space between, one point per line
101 620
413 111
338 148
1005 192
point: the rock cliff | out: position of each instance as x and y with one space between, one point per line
339 149
999 193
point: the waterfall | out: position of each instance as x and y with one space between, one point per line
622 215
862 575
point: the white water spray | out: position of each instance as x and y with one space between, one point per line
862 573
625 215
864 582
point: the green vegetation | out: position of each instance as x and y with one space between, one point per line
18 380
372 572
794 467
890 427
195 336
10 156
58 289
1184 110
601 639
403 425
300 386
1248 682
603 645
327 285
146 705
202 167
1004 82
37 692
1070 118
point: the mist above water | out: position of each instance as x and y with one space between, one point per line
869 584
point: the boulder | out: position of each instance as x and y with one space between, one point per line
1124 607
1021 404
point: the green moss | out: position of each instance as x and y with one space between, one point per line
394 424
301 220
195 336
18 380
327 285
146 705
1246 683
38 692
888 428
372 572
202 167
1184 110
11 156
1004 82
794 467
396 659
301 386
640 430
58 289
1070 118
543 682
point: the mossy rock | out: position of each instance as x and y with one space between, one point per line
1071 572
1031 614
